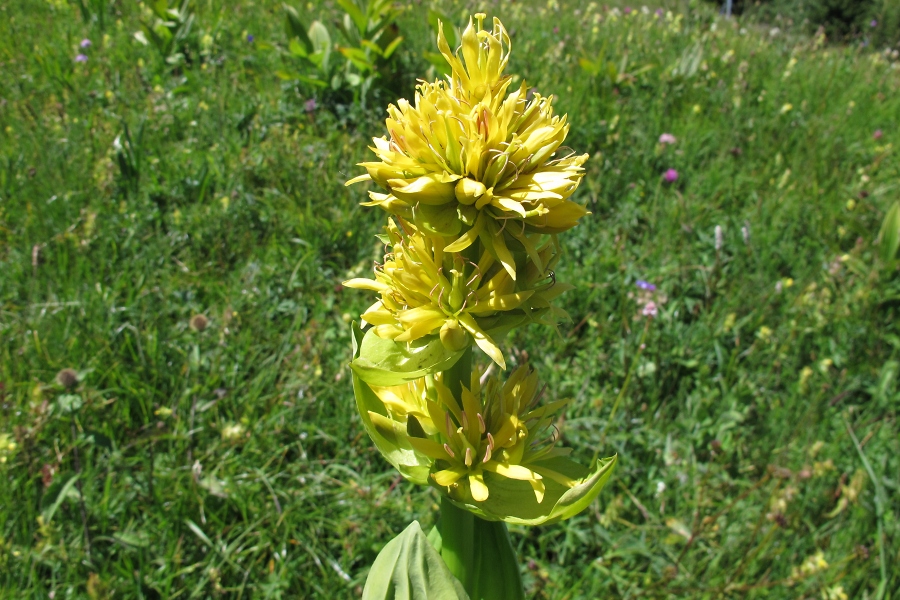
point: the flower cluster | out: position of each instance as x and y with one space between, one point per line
426 290
488 444
466 152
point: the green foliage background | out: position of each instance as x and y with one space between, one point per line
758 440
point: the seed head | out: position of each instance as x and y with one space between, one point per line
199 322
67 378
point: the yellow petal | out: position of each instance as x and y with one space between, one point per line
449 476
477 486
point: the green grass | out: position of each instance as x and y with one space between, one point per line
760 424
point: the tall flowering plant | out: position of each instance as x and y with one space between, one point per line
477 186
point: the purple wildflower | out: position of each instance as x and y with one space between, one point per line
877 135
650 309
85 43
627 10
671 176
310 105
667 138
82 58
645 285
659 12
250 38
873 23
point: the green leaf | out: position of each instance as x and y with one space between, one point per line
138 539
438 61
435 17
359 19
513 501
386 362
358 58
318 35
890 233
395 448
68 491
409 568
295 28
389 50
297 49
69 403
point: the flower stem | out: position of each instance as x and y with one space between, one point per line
478 552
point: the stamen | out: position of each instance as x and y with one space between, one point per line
449 424
491 444
465 422
449 450
481 426
468 459
487 455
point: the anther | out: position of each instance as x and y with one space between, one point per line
487 455
491 444
465 422
468 457
449 450
449 423
481 426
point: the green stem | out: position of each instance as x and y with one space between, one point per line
458 542
457 525
478 552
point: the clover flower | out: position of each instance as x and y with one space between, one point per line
85 43
667 138
81 58
426 290
671 176
492 449
468 150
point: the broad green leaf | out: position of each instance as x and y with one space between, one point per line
295 28
386 362
513 501
359 19
409 568
395 448
321 44
358 58
319 37
297 49
890 233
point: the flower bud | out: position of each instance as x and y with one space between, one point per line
469 190
453 336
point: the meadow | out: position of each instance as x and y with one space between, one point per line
176 413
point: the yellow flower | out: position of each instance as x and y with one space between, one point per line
466 150
787 108
491 450
426 290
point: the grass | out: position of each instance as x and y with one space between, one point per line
758 439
